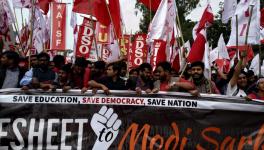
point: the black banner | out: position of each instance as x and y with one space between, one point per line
126 121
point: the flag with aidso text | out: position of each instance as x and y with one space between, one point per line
85 38
139 51
58 26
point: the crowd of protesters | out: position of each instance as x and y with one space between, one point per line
85 75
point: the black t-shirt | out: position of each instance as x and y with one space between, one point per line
46 76
120 84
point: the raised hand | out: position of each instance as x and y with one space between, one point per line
106 126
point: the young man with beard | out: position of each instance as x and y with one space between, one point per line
144 81
43 76
96 72
202 84
169 83
111 81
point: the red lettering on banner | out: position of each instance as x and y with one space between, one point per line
58 37
138 54
85 38
134 136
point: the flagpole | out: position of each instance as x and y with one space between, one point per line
21 10
237 36
249 21
179 23
260 62
16 28
150 12
32 28
113 24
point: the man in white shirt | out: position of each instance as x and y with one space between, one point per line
238 82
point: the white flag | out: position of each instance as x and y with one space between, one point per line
21 3
229 10
163 22
255 64
6 17
214 55
223 53
206 60
38 40
243 11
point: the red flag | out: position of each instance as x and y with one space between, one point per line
206 20
197 50
102 14
232 51
158 53
85 38
151 4
83 6
103 34
44 5
58 37
139 50
262 18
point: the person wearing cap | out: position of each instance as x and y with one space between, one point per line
260 90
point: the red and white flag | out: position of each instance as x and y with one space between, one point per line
158 54
21 3
229 10
163 22
6 17
151 4
85 38
206 20
110 52
139 51
243 13
58 28
198 47
38 43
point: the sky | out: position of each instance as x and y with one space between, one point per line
130 19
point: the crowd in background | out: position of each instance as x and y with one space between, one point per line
47 74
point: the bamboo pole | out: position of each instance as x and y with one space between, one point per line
112 23
32 30
260 62
237 37
249 21
17 33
